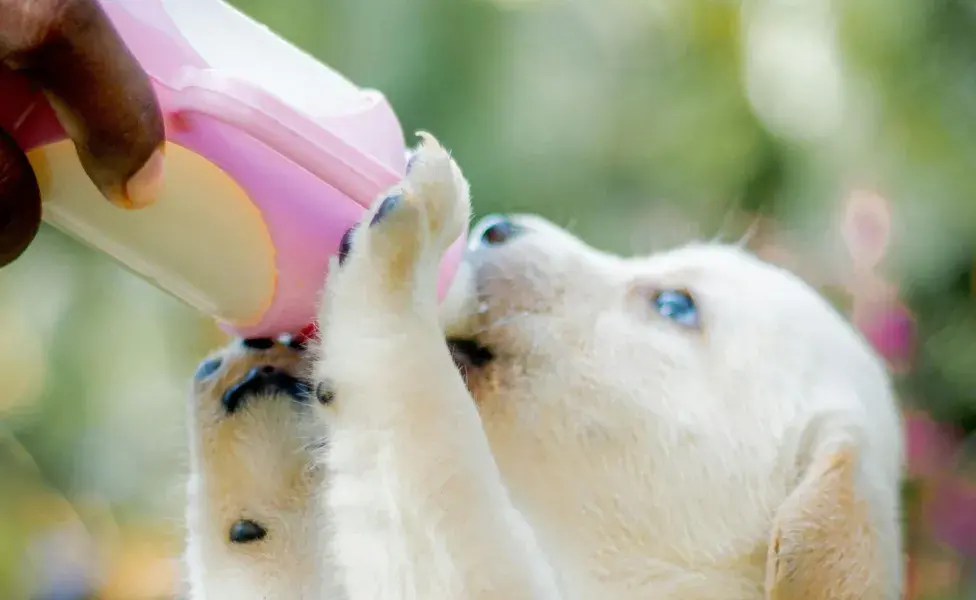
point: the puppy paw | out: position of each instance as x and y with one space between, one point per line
251 445
380 302
397 248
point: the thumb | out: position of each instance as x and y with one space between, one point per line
98 90
20 201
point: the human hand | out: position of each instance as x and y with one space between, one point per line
101 96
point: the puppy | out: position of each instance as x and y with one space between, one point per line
254 509
691 425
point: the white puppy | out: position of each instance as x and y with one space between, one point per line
254 513
692 425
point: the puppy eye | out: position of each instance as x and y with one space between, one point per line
207 368
678 306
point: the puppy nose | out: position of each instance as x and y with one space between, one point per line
495 230
264 379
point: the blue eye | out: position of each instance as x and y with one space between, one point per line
207 368
677 306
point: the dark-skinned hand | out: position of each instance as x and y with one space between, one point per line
70 51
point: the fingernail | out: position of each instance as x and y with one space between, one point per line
144 187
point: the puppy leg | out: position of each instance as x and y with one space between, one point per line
419 505
255 526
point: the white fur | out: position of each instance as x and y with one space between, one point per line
605 452
255 464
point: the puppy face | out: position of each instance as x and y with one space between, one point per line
654 415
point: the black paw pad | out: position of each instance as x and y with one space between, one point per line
389 204
263 380
259 343
246 531
207 368
345 245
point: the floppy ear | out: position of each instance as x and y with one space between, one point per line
824 545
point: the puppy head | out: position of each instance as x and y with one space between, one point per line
696 411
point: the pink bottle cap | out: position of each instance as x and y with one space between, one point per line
311 151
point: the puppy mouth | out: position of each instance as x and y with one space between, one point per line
469 355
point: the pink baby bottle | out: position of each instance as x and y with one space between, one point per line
271 156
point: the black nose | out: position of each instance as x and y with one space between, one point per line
495 230
264 380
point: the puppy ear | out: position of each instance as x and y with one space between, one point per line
824 545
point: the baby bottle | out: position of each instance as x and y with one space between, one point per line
270 157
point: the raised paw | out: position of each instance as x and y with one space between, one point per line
400 242
384 279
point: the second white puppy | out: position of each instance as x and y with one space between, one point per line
693 425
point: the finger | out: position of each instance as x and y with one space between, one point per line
99 92
20 201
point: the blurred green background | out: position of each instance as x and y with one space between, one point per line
843 133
